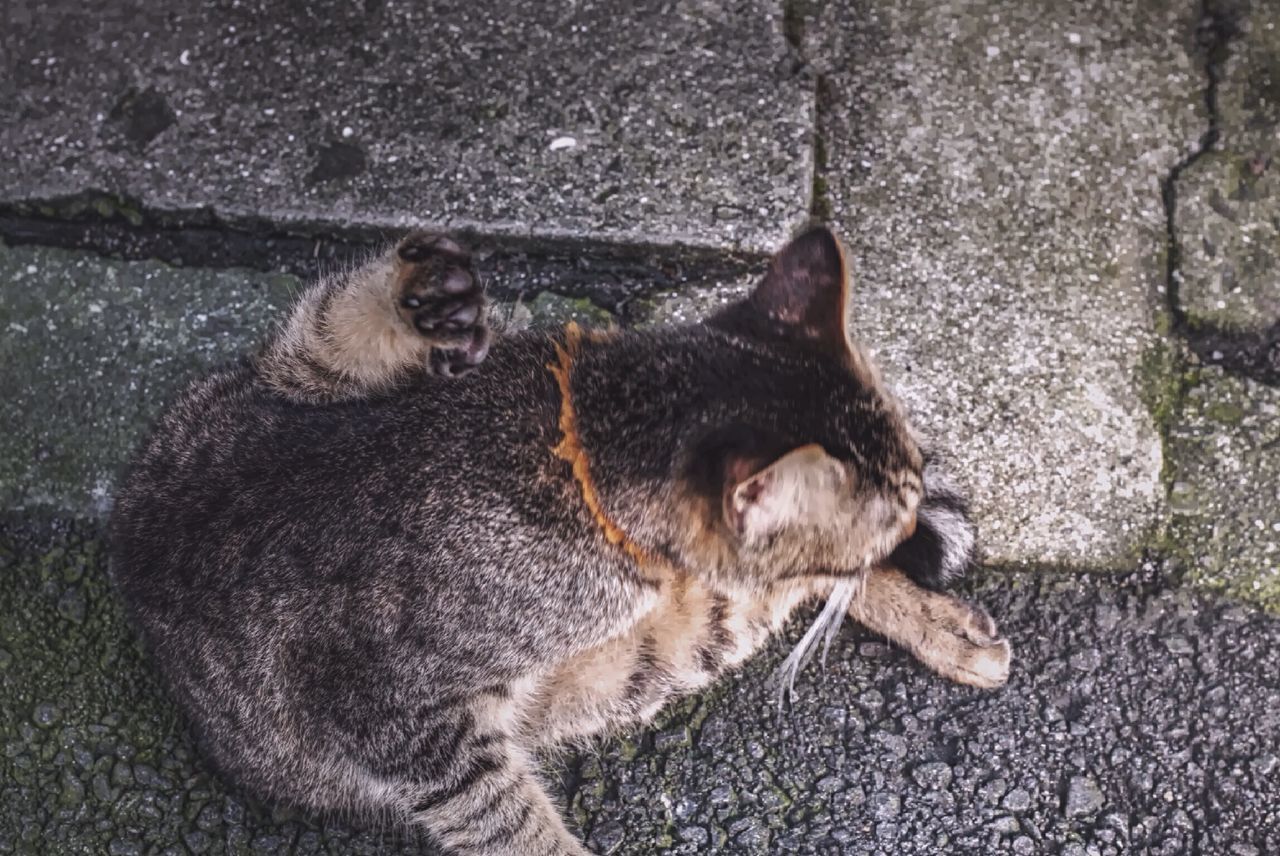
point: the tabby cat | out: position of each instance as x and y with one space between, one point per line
389 559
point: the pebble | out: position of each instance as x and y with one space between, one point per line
933 776
196 841
667 740
607 837
722 795
1087 660
1017 800
693 835
46 715
871 700
1083 796
686 807
829 784
885 806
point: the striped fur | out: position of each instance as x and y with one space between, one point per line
376 590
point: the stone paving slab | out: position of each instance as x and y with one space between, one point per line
672 124
1136 720
997 172
1224 453
93 349
1228 214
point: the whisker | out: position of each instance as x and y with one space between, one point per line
826 626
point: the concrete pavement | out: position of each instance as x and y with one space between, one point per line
1062 222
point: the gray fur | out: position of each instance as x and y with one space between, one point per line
373 587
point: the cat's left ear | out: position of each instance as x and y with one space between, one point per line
806 290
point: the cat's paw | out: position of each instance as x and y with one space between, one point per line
965 646
439 295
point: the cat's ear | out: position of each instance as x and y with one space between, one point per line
806 290
805 484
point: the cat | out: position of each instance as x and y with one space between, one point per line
389 559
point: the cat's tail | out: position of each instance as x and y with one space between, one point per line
944 544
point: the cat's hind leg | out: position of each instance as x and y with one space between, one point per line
494 806
440 297
456 770
420 307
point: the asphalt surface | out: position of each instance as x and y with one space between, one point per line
1138 719
1062 224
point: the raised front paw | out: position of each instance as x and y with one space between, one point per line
439 295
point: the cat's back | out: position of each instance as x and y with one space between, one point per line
240 490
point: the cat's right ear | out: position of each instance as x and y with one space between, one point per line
801 487
805 292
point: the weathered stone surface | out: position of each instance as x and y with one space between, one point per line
1224 456
997 171
677 124
1228 201
92 349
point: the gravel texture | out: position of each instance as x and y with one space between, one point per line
1137 720
672 124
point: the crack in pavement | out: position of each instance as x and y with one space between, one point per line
1254 355
796 16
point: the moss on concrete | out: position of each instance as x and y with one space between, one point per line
93 348
93 757
552 310
1223 466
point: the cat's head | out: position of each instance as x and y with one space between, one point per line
800 463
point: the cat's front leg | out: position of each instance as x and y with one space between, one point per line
689 639
956 639
420 307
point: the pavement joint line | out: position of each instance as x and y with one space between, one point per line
795 17
610 274
1213 36
1239 354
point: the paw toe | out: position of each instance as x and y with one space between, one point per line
456 281
464 316
980 626
452 362
419 246
987 666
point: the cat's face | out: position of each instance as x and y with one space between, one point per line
820 474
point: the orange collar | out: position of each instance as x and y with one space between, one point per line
570 450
